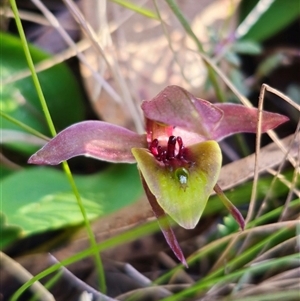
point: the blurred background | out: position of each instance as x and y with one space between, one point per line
100 60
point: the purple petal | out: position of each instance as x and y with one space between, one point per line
238 118
96 139
176 106
164 224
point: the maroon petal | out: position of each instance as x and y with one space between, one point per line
96 139
230 207
176 106
164 224
238 118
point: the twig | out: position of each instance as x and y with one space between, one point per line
23 276
79 283
126 96
52 19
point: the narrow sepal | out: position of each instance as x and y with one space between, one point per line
164 224
96 139
230 207
238 118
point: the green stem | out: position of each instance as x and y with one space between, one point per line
189 31
24 126
247 255
140 10
272 215
32 68
66 168
241 141
222 242
117 240
200 286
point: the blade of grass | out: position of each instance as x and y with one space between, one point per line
119 239
271 215
22 274
80 284
294 181
133 234
247 255
66 168
166 34
48 285
200 286
285 295
140 10
253 200
219 244
185 24
24 126
287 244
55 23
114 68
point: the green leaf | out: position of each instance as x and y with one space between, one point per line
246 47
232 58
266 18
229 226
183 192
44 199
269 64
19 99
4 171
9 233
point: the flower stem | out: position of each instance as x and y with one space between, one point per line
185 24
53 132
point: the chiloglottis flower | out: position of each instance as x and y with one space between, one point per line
179 158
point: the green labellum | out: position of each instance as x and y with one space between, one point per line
183 193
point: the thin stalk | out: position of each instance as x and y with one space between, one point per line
66 168
117 240
253 200
92 239
246 255
137 9
31 67
8 264
48 285
271 215
165 31
200 286
241 141
219 244
230 207
184 22
24 126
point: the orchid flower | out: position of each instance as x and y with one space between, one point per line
179 158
